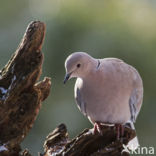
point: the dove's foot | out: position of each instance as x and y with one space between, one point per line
119 130
97 128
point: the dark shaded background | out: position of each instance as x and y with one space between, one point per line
116 28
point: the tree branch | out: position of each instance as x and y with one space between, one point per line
86 143
20 96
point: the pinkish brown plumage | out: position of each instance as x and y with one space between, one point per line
106 90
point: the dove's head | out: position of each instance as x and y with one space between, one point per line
77 64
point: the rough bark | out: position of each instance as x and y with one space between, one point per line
86 143
20 95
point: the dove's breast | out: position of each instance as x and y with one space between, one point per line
104 94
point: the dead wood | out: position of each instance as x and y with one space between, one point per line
86 143
20 95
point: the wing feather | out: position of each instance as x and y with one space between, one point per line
80 102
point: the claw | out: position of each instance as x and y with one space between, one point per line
97 128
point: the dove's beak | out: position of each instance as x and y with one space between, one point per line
66 78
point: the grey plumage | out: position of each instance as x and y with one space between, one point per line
106 90
80 101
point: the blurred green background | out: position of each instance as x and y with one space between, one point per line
116 28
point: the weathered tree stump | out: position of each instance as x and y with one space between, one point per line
20 95
86 143
20 101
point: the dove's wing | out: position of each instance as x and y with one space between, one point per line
79 99
136 97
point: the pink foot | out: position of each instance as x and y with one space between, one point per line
119 130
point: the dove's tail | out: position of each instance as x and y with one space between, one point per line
134 143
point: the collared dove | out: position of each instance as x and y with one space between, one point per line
107 91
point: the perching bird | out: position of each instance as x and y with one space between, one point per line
107 91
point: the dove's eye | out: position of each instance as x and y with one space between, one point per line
78 65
